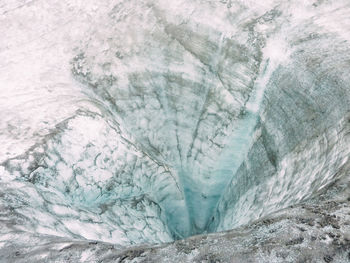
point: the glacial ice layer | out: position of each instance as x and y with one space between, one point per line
169 120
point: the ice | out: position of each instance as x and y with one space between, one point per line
136 122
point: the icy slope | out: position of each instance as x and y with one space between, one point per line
143 121
301 141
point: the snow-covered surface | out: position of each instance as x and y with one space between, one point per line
147 121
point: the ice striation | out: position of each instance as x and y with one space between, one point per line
143 122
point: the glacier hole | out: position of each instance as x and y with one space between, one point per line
188 127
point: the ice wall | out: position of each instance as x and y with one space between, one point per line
300 143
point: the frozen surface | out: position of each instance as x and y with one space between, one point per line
135 122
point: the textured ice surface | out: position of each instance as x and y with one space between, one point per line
181 94
147 121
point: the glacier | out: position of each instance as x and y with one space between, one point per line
130 126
